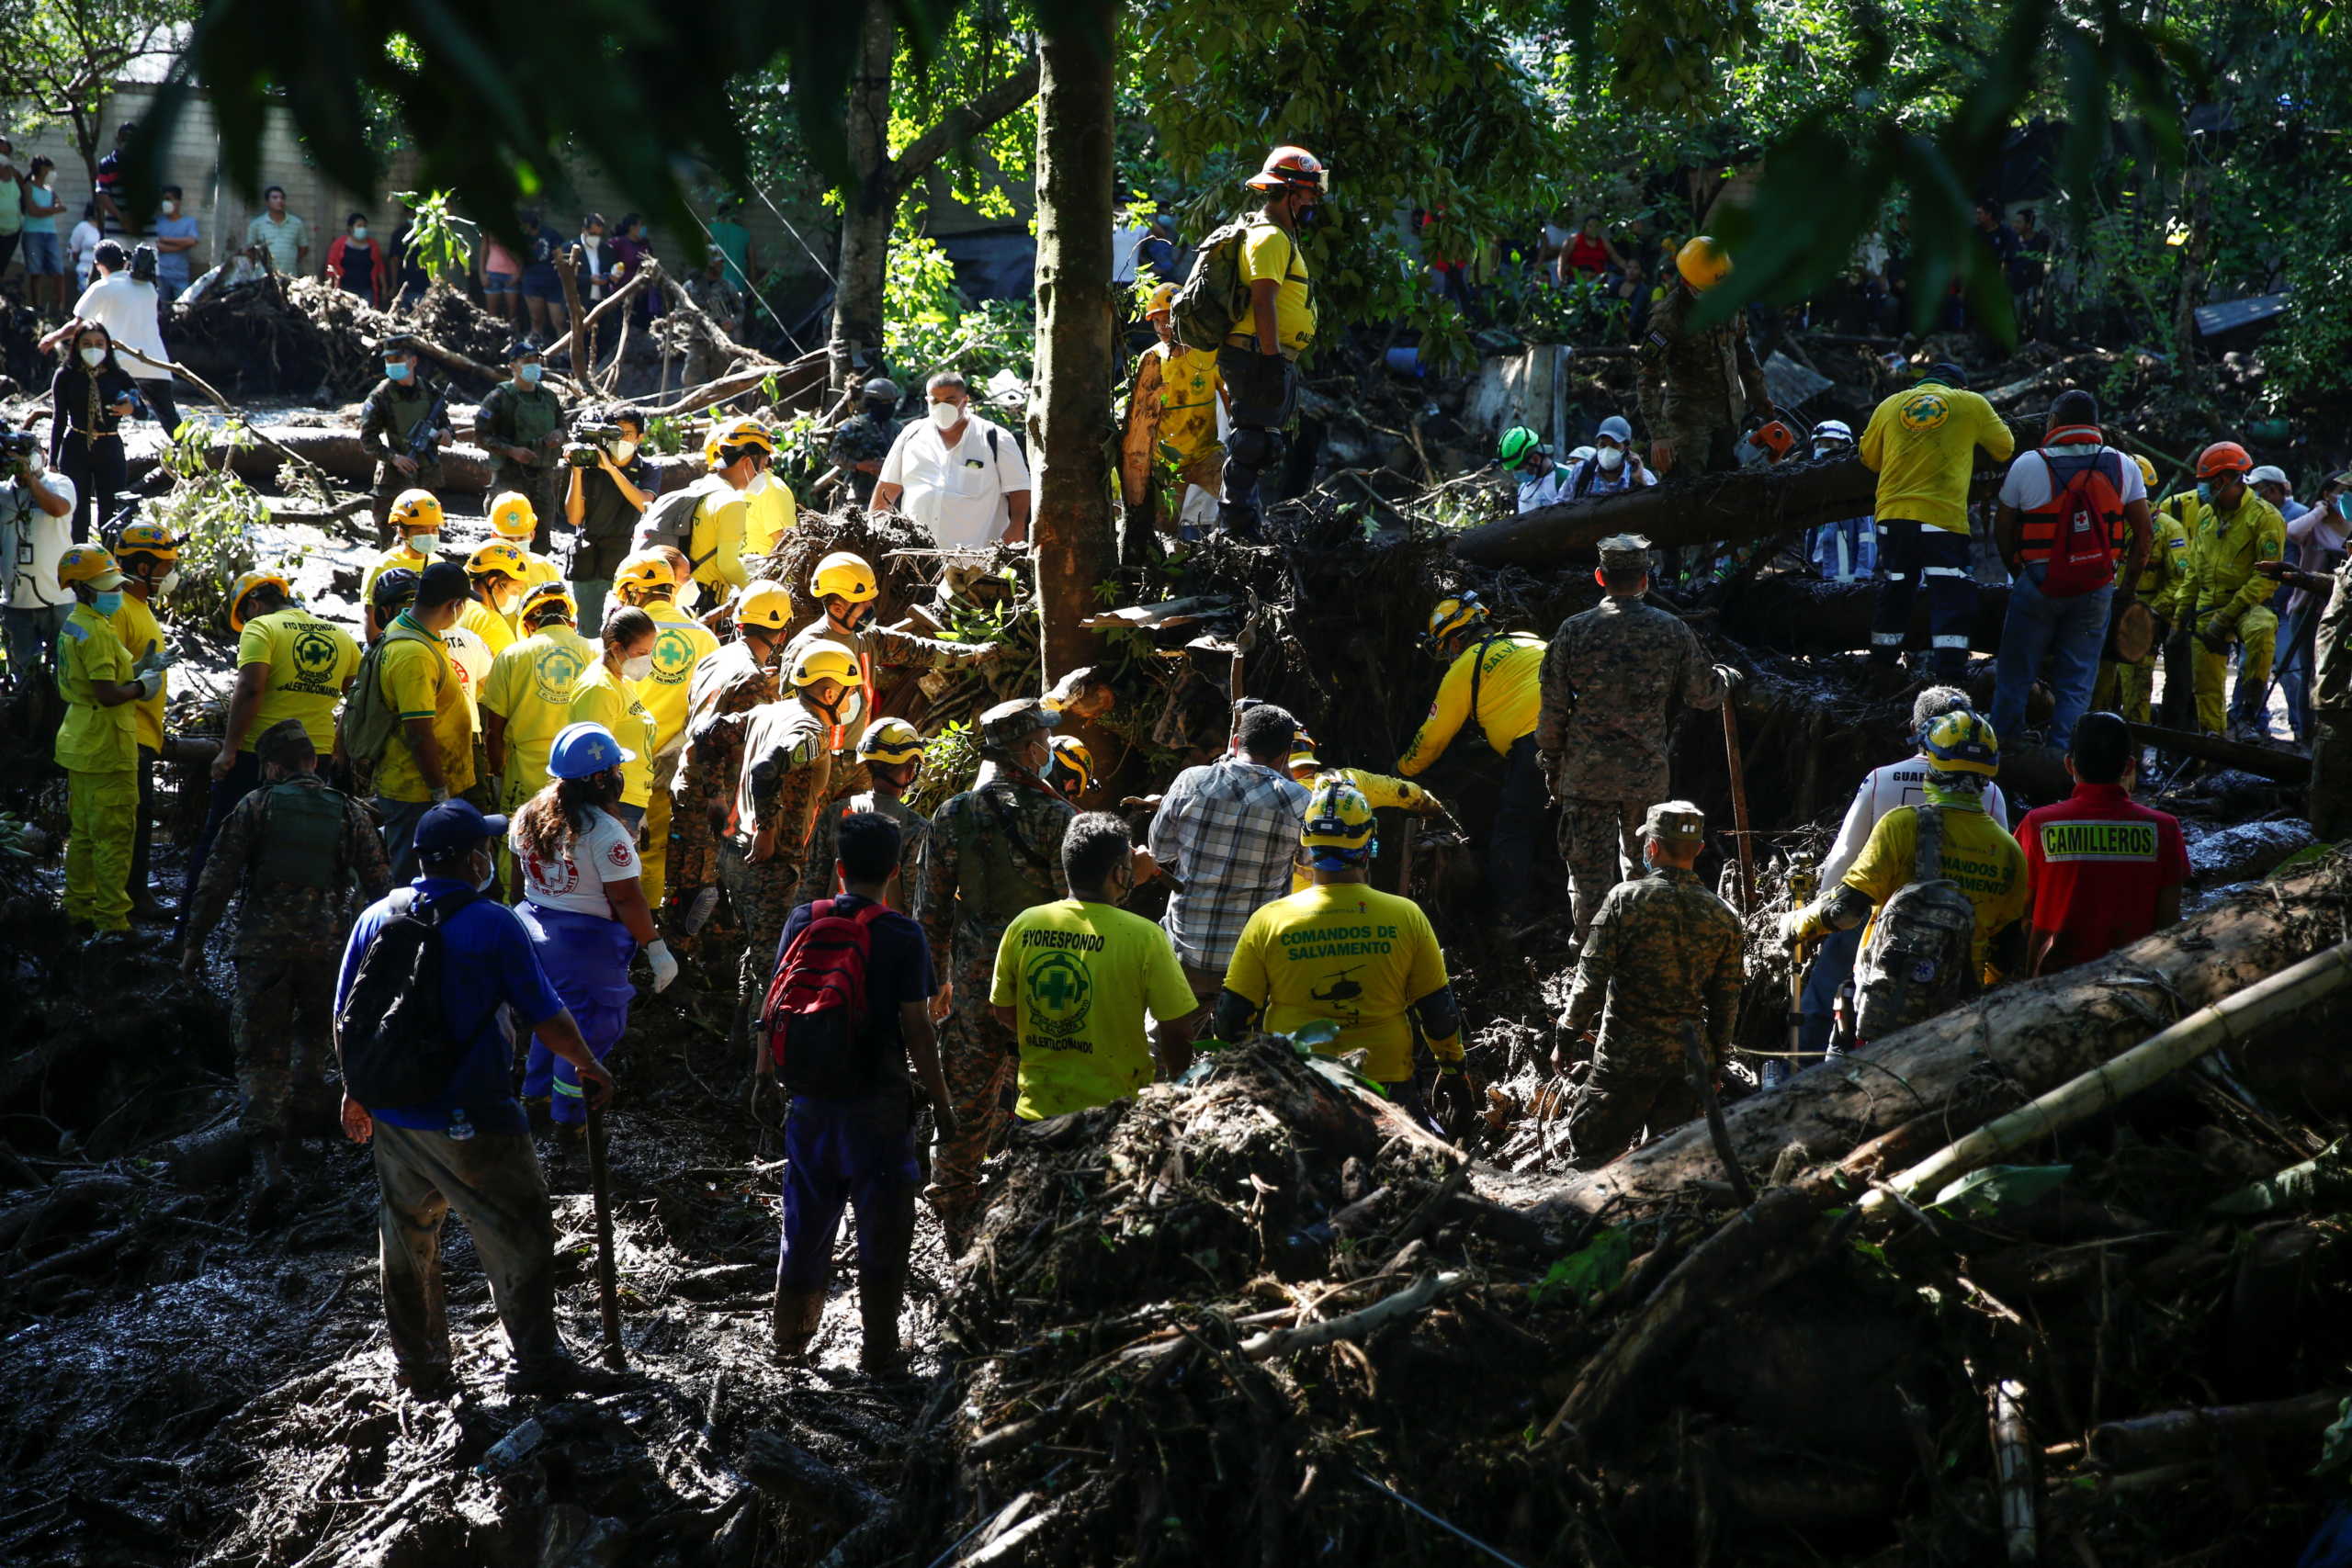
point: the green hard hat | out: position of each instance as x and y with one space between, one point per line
1518 442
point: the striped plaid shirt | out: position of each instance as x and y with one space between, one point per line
1230 833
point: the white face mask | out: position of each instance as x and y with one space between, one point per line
592 242
93 357
758 485
170 581
624 450
1611 459
424 543
688 596
171 210
636 669
946 416
489 874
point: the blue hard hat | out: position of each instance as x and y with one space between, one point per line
584 749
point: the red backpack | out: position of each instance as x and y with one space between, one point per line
2078 533
815 1012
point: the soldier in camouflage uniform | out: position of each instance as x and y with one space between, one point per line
521 425
992 852
388 423
860 442
787 776
890 754
299 850
1613 678
726 686
1664 956
1698 384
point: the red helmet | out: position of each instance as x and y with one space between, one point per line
2223 457
1288 166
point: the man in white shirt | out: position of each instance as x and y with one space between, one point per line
1897 783
2316 538
957 474
127 306
1614 466
36 527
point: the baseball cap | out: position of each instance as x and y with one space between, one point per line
456 825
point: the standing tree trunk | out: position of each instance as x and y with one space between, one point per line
871 205
1072 428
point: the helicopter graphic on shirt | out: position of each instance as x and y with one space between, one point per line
1342 991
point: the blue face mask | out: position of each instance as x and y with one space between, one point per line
2344 507
397 369
2205 493
528 375
109 603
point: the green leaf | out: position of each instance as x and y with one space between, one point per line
1589 1272
1998 1187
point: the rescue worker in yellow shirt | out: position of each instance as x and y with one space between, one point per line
512 520
97 745
1258 361
707 519
416 519
2164 590
148 557
1922 444
1171 418
1492 691
770 510
430 757
495 571
680 645
2230 530
525 701
848 588
1380 789
1339 951
605 694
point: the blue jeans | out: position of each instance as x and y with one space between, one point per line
1833 965
2071 631
2293 666
32 638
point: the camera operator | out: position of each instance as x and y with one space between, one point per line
388 432
36 527
610 486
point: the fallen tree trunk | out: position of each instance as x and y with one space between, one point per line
1704 509
2173 1437
337 452
2263 762
1969 1065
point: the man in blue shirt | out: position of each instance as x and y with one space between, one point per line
859 1147
470 1147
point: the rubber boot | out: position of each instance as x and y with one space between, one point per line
796 1314
271 1186
878 1304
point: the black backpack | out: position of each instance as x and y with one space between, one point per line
395 1043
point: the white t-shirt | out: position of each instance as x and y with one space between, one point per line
2027 488
959 495
38 541
1543 490
575 883
2319 534
1897 783
84 242
126 309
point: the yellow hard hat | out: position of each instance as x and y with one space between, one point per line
1339 819
890 742
146 539
416 511
1456 612
1302 754
512 516
2147 472
1704 261
544 595
735 435
823 660
764 605
844 574
1071 762
497 558
90 564
1163 301
644 572
1960 743
246 584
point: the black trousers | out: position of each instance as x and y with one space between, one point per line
1264 392
1519 821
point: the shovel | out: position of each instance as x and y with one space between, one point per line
607 1286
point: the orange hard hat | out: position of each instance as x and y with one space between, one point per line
1290 167
2223 457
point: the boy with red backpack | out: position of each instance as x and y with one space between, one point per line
847 1011
2068 509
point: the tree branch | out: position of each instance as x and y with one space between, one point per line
962 123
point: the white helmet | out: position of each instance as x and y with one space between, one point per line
1831 434
1581 455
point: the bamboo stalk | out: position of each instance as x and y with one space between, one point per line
2228 1022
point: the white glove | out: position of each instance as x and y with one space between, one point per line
665 968
698 913
150 683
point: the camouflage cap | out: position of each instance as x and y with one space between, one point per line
1674 822
1625 552
1008 723
285 743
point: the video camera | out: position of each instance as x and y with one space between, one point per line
16 447
588 439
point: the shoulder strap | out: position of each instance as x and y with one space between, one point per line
1005 819
1477 657
1927 855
